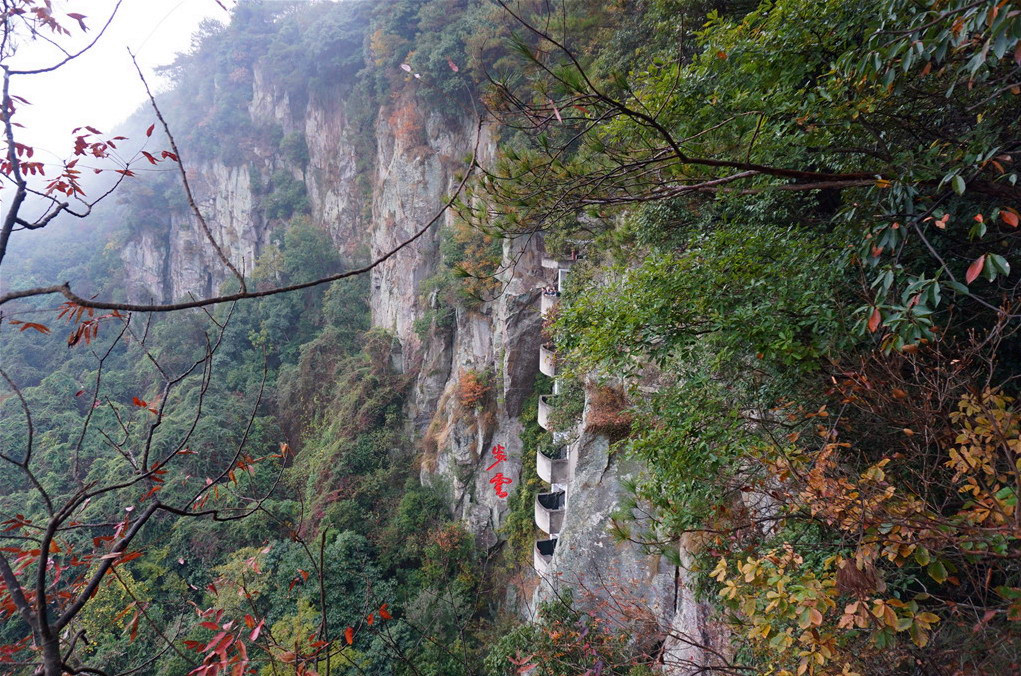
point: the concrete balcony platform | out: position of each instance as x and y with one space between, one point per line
553 263
542 555
550 299
552 470
549 511
547 361
545 409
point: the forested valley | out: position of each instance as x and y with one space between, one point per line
493 337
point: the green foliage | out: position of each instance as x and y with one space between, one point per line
287 196
470 259
294 149
565 641
568 405
742 291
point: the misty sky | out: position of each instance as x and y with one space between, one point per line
102 87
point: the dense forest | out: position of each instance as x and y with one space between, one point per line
783 318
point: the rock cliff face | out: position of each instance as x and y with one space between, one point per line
177 259
419 153
587 558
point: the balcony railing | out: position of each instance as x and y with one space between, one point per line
551 470
561 278
545 409
542 555
549 511
551 263
547 361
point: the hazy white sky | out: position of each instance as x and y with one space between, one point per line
102 88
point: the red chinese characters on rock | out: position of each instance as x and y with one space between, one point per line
499 480
500 453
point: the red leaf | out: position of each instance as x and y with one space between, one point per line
210 625
255 632
453 66
975 269
80 18
41 328
370 618
148 132
349 635
127 557
384 613
555 111
133 625
1009 217
148 156
874 320
138 402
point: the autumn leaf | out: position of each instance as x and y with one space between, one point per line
874 320
453 66
1009 217
349 635
80 18
41 328
975 269
148 132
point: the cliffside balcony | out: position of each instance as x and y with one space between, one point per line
549 511
542 555
550 298
545 409
555 263
552 470
561 279
547 360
